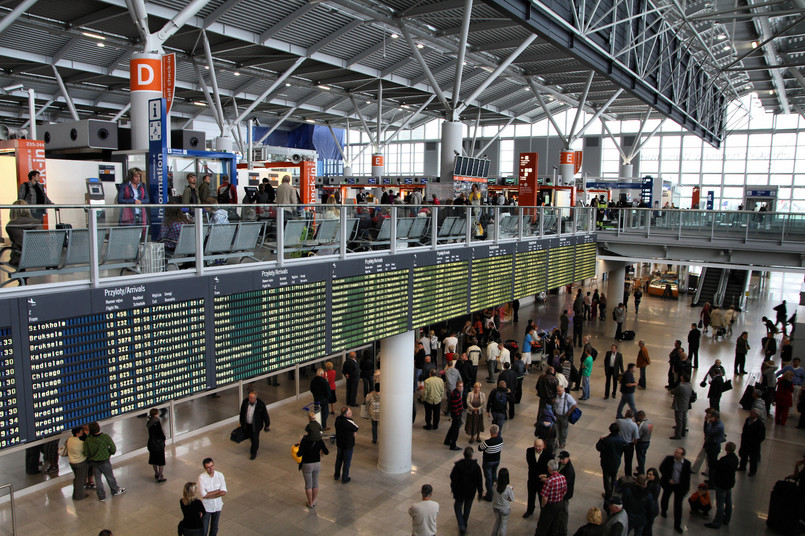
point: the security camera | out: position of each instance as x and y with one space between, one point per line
456 152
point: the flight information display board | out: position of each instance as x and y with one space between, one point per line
585 261
268 329
560 266
440 290
530 273
133 347
491 281
9 409
366 308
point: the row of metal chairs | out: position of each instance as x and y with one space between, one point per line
62 251
221 242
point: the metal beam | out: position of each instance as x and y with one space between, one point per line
495 24
271 88
274 127
365 53
638 146
597 114
173 25
95 17
795 72
337 142
435 71
219 12
770 53
432 79
287 21
66 48
121 113
41 110
582 102
462 49
548 113
66 95
362 120
15 13
219 109
625 159
497 72
496 136
218 118
430 9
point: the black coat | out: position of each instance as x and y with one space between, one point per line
611 449
753 434
569 473
466 479
320 389
537 466
724 474
261 418
351 370
667 471
618 368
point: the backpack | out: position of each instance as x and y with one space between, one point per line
224 194
501 399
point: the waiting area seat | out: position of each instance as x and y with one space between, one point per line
222 242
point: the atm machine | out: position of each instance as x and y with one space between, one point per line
94 197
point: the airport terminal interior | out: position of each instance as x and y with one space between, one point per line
596 144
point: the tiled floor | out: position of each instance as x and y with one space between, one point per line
266 495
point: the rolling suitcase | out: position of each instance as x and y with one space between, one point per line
783 506
628 335
746 399
64 226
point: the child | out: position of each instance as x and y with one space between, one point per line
502 496
700 501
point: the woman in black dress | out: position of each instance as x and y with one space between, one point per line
193 512
156 444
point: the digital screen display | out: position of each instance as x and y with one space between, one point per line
368 307
457 166
491 282
585 261
9 410
440 292
96 366
560 266
268 330
530 273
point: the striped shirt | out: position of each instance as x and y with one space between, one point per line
456 403
491 448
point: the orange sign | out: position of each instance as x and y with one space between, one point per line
577 162
528 179
567 157
307 182
146 74
168 79
377 160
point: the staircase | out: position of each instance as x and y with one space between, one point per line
735 289
709 282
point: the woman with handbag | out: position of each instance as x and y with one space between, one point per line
156 444
476 402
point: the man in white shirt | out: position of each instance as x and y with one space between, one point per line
451 341
211 486
424 514
474 353
492 353
504 356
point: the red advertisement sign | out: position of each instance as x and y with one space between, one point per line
307 182
577 162
146 74
567 157
377 160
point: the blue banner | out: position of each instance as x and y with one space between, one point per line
157 160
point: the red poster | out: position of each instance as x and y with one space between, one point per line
307 182
577 162
528 179
567 157
146 74
168 78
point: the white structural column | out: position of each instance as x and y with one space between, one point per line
627 170
146 84
452 136
616 279
396 403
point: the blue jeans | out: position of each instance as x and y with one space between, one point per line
104 468
462 508
343 456
210 522
490 476
499 419
626 398
723 507
640 452
324 406
585 387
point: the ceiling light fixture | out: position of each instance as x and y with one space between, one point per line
236 73
771 92
394 35
199 103
420 45
726 48
94 36
322 86
100 45
754 44
310 120
287 84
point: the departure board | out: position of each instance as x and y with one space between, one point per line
491 282
439 293
530 273
269 329
585 261
560 266
366 308
9 409
120 359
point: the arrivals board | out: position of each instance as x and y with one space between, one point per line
585 261
128 348
440 287
560 266
75 356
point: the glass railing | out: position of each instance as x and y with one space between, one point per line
728 225
90 244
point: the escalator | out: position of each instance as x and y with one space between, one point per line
709 283
735 289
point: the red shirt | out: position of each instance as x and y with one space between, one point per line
554 489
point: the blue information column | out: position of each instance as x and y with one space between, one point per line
157 160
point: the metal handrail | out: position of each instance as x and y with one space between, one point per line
13 508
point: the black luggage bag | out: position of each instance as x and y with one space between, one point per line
628 335
783 508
